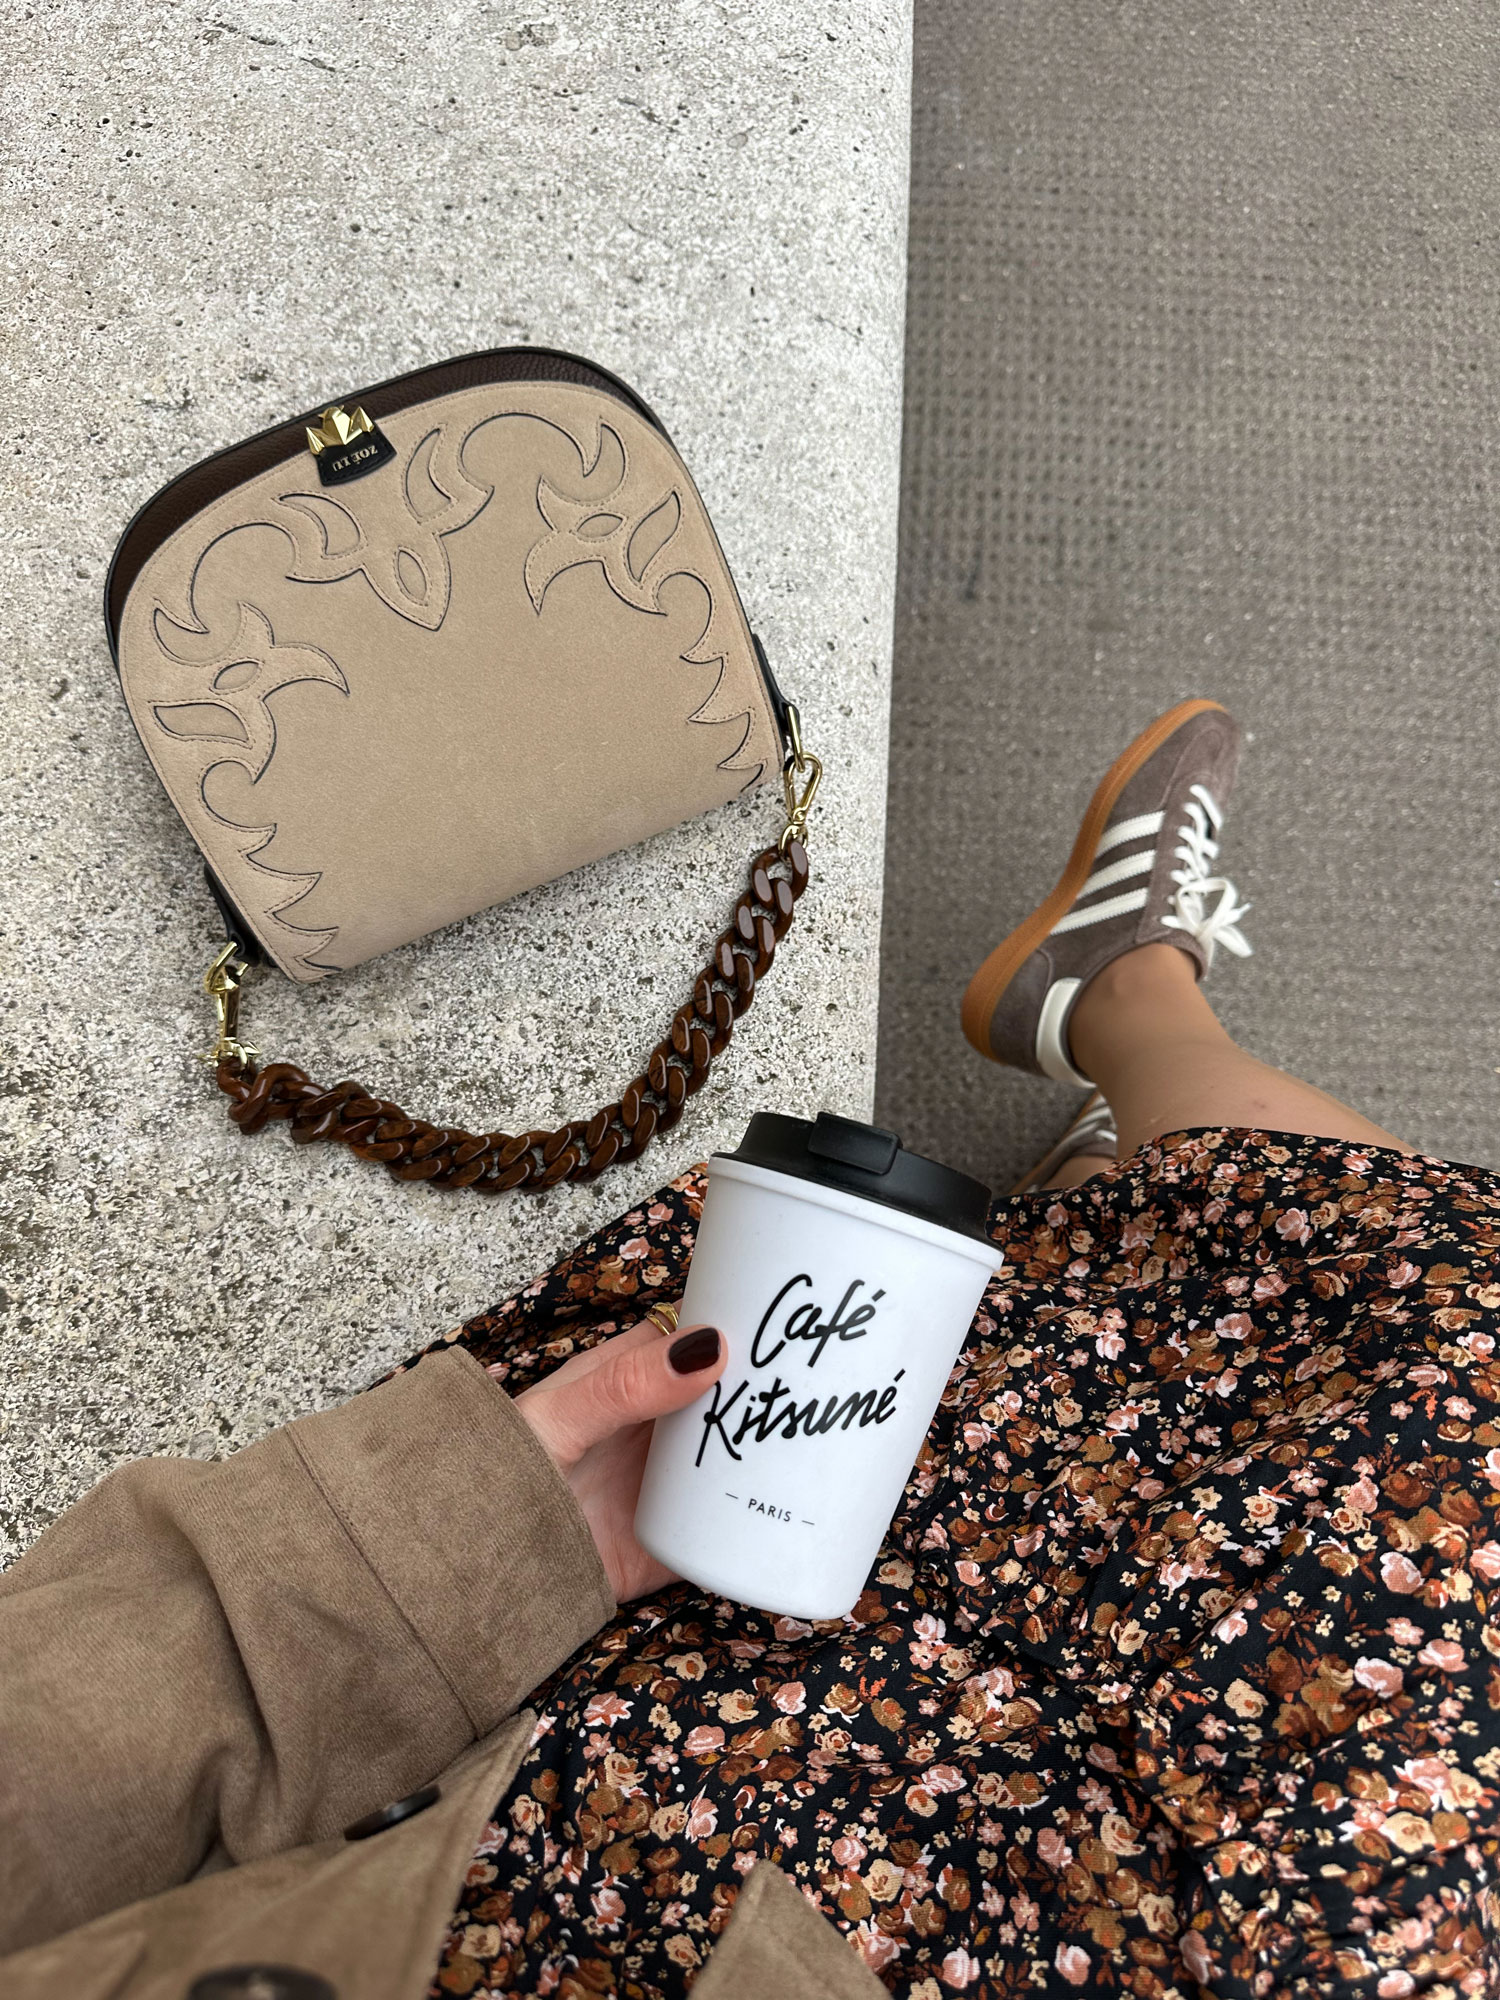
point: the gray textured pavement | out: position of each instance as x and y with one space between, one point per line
1203 397
210 219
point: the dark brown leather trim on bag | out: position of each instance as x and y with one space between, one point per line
492 579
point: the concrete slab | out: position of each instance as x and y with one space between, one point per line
210 219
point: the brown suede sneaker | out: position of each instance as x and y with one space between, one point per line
1092 1131
1156 816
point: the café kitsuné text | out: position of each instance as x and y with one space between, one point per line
793 1330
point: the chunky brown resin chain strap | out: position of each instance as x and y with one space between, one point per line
493 1162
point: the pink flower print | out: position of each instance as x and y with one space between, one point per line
1053 1849
1025 1911
1269 1285
849 1850
1492 1467
1401 1275
1411 1935
609 1907
1380 1677
1444 1654
875 1948
1429 1774
790 1628
941 1778
1395 1985
604 1709
996 1684
698 1742
1108 1344
702 1819
1364 1494
1402 1632
1234 1326
1293 1224
1072 1961
1196 1956
1400 1573
1486 1559
790 1697
959 1969
1233 1625
1175 1574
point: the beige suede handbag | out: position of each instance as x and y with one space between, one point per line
442 641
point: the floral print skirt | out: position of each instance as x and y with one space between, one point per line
1178 1671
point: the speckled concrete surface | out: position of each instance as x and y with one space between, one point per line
212 217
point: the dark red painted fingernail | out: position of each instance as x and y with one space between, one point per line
695 1350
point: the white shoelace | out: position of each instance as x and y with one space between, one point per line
1198 849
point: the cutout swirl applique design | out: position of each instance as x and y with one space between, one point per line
225 707
405 564
628 527
205 663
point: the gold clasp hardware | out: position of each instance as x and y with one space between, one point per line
799 763
222 983
335 427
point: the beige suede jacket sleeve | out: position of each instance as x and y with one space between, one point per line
208 1671
217 1662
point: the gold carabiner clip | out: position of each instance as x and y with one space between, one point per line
222 983
801 764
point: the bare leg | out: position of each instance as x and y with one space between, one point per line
1082 1167
1144 1032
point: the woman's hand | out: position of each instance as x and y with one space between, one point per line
594 1417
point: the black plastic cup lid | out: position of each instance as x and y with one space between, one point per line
863 1160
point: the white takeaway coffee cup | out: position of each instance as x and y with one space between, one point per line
843 1272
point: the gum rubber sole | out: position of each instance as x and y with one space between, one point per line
982 995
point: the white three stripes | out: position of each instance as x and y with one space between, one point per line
1115 871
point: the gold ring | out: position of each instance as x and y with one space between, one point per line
665 1317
